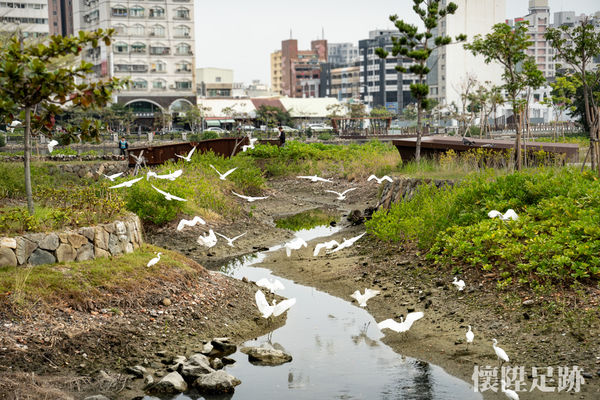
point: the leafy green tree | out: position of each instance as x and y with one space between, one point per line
415 46
271 115
194 116
576 47
34 90
561 98
507 46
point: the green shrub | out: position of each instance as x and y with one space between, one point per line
324 136
209 135
67 151
2 140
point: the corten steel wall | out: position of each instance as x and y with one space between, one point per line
433 145
155 155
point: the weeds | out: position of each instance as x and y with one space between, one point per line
307 220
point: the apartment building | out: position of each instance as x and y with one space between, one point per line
60 17
301 69
276 72
152 46
214 82
342 54
538 21
30 16
344 82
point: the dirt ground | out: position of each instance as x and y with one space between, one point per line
65 349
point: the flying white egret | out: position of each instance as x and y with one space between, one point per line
190 222
15 123
341 196
404 324
315 178
272 284
509 214
168 195
326 245
51 145
294 244
511 394
347 243
154 260
501 354
460 285
230 241
126 183
362 298
208 240
113 176
276 309
171 176
249 146
249 198
188 158
223 176
470 336
379 180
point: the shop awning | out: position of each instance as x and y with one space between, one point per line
210 123
227 121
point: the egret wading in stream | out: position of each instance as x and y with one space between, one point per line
126 183
154 260
404 324
460 285
501 354
341 196
187 222
223 176
188 158
380 180
362 299
113 176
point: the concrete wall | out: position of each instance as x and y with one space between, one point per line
87 243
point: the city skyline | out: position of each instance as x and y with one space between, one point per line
238 38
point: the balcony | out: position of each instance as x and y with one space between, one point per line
182 35
180 17
160 51
183 71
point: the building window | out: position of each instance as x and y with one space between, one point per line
183 49
119 11
157 31
137 30
157 12
120 29
136 11
183 66
120 48
139 84
160 50
182 85
182 31
182 13
158 66
218 79
159 84
138 48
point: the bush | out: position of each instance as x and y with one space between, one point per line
67 151
2 139
210 135
324 136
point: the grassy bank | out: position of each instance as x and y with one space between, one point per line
555 241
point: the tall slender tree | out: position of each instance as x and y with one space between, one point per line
417 47
507 46
576 47
34 89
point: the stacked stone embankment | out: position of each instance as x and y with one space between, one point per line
405 188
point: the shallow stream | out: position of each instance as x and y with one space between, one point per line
336 349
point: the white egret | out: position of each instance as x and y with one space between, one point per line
460 285
326 245
272 310
230 241
470 336
379 180
154 260
509 214
404 324
248 198
294 244
249 146
208 240
51 145
113 176
168 195
171 176
363 298
187 222
188 158
341 196
315 178
501 354
15 123
511 394
347 243
126 183
272 284
223 176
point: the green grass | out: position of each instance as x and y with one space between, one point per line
555 241
307 219
78 282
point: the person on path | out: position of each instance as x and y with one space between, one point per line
281 136
123 146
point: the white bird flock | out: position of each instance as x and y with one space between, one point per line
404 324
510 214
223 176
363 298
190 222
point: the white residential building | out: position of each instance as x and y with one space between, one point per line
152 45
452 65
342 54
31 16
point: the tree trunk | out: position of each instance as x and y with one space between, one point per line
27 158
518 158
419 133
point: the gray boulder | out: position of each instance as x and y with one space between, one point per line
196 366
39 257
221 348
169 384
97 397
216 382
50 242
7 257
266 356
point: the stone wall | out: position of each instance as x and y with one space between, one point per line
93 171
87 243
404 189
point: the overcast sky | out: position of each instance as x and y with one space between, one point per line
241 34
